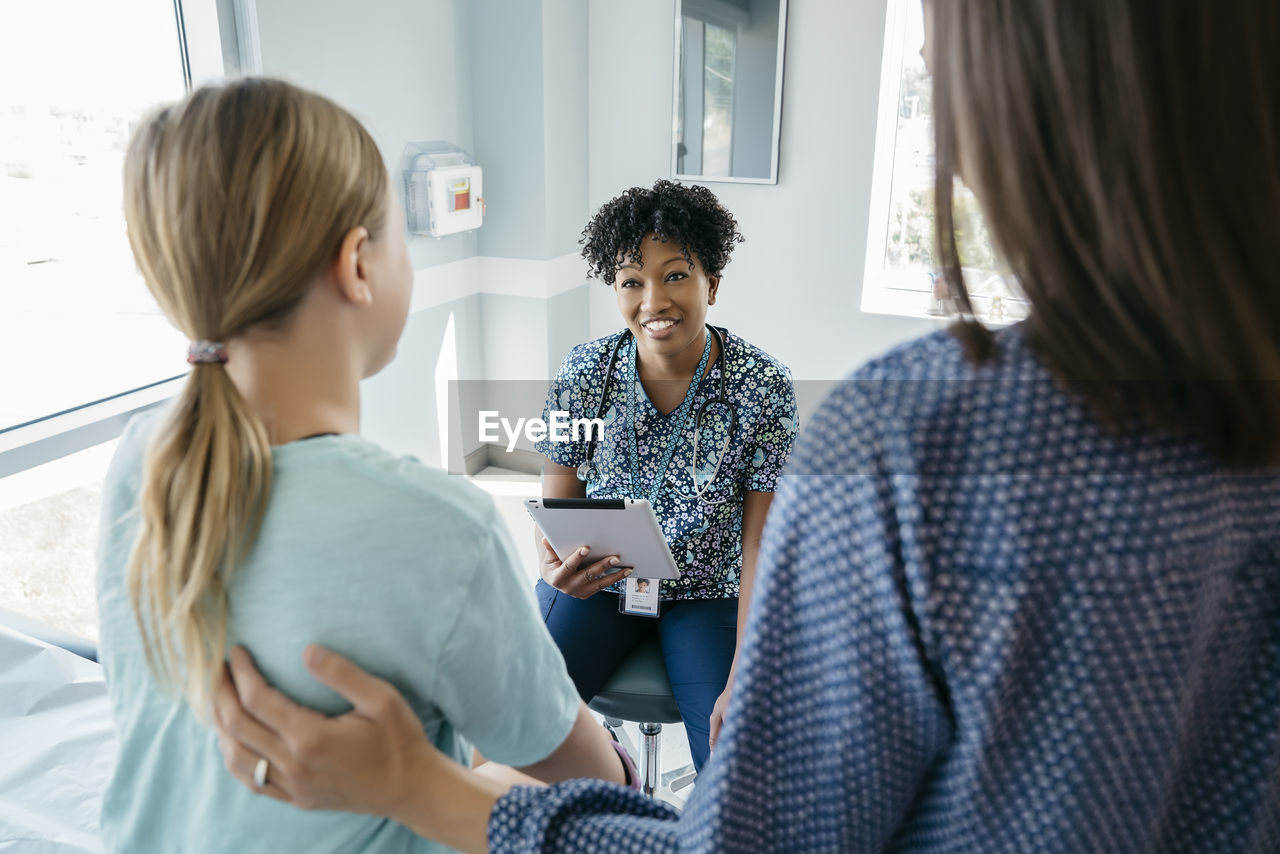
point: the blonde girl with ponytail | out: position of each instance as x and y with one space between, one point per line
250 511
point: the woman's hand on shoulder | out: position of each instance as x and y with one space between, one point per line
574 576
369 760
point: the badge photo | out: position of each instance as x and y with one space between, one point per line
640 597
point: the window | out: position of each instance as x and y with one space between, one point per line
705 92
48 536
717 75
77 325
704 114
82 344
901 267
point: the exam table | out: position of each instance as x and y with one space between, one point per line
57 740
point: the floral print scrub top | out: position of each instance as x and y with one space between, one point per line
705 539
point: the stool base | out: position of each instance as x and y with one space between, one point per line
652 779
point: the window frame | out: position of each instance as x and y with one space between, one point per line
896 291
880 294
727 19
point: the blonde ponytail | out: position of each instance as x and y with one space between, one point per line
235 199
207 478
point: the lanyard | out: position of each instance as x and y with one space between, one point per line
679 417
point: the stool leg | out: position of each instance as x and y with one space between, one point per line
649 757
679 780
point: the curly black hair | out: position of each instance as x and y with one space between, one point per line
689 216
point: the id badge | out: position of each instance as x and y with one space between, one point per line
640 597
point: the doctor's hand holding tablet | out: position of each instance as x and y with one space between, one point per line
577 575
627 541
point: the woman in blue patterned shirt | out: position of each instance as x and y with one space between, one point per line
1019 591
657 387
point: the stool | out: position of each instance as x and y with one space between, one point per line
639 691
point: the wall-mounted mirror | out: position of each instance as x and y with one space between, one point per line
728 89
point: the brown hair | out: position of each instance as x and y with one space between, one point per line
1127 157
235 200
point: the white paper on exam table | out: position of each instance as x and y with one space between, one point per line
58 745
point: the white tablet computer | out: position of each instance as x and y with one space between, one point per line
625 527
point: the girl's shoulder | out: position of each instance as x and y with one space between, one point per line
123 482
396 480
131 448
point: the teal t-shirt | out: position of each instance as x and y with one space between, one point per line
404 569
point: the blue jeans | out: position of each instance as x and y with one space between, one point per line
698 637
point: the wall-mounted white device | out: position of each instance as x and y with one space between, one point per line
443 189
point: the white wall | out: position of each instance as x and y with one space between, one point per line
411 70
468 72
794 287
401 66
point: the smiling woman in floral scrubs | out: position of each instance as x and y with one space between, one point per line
663 250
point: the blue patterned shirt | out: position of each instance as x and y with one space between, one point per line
983 624
705 539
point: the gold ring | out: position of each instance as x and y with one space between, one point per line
260 773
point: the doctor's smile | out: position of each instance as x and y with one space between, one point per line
659 328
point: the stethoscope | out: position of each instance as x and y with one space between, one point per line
588 469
